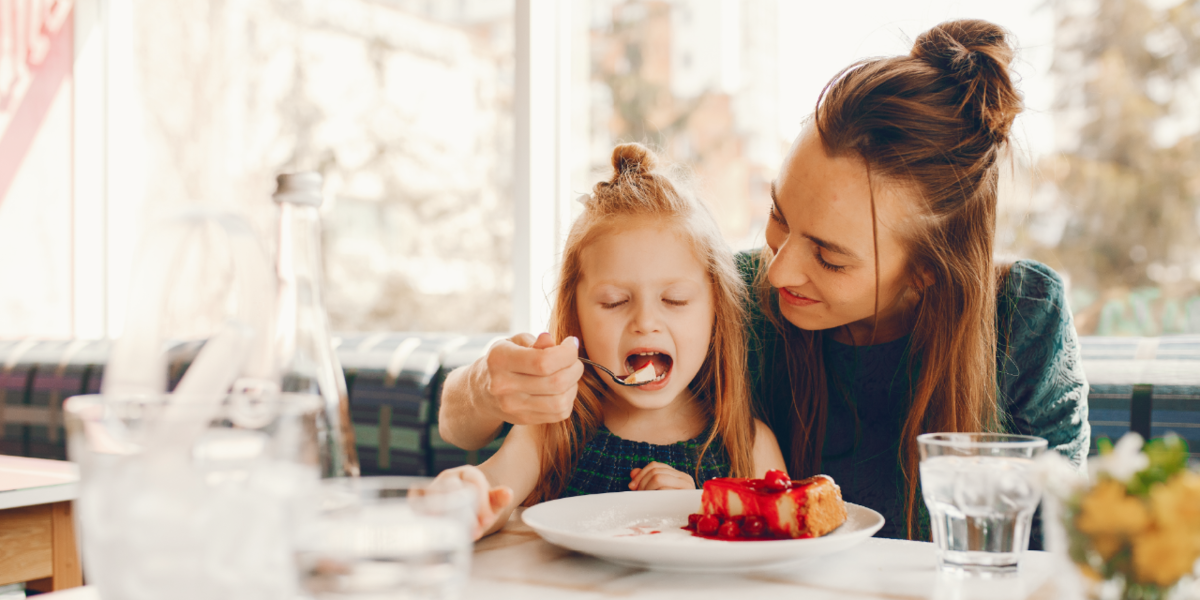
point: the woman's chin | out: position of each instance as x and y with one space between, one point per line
804 317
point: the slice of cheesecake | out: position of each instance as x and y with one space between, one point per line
642 375
791 509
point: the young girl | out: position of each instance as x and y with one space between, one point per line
646 280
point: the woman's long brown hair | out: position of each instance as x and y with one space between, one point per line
638 191
933 122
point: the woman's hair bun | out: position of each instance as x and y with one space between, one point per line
976 54
633 159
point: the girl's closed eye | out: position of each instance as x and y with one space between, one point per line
675 302
613 303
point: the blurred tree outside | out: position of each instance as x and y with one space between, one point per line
404 106
695 81
1127 178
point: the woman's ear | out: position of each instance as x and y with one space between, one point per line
922 278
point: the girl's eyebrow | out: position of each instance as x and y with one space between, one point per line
665 283
828 245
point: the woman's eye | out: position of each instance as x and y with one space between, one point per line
670 302
612 304
774 215
828 265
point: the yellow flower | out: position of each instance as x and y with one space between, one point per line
1162 557
1106 545
1176 503
1089 573
1106 509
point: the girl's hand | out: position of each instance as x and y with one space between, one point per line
491 500
657 476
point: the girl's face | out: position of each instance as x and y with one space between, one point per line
824 251
644 297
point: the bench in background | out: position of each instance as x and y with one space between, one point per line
1149 385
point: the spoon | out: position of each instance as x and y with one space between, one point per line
620 380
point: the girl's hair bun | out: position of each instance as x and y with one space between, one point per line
976 54
633 159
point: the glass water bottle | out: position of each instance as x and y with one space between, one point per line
308 361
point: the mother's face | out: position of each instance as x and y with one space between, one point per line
824 250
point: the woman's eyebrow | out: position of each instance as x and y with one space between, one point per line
831 246
775 203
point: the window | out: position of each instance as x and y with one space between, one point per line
454 135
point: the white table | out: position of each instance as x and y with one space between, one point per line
516 564
37 535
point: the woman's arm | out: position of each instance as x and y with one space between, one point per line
1043 390
522 380
766 452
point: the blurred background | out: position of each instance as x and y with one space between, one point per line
454 134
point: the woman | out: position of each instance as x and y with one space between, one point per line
880 313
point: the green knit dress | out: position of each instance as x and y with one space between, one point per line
606 461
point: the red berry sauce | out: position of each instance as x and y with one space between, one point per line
760 501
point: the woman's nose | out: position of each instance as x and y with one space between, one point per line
787 266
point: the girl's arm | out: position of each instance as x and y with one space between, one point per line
518 464
766 452
506 479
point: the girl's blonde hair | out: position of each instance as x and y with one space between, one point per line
637 189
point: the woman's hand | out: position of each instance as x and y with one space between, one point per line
491 500
657 476
524 380
532 380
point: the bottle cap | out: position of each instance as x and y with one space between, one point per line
299 188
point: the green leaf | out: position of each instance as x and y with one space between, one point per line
1168 456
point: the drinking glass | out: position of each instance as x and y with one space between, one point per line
981 490
387 537
192 497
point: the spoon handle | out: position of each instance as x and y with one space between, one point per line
615 377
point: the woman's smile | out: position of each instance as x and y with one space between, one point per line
796 299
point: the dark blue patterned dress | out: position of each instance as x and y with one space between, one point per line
607 460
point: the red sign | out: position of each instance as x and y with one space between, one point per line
36 56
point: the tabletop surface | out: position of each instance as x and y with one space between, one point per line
31 481
515 563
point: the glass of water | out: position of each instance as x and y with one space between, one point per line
192 497
372 538
981 490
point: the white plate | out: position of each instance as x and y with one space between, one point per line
617 527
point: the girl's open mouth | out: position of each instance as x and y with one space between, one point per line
640 360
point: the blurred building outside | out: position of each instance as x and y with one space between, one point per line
406 107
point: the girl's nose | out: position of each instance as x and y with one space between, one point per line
646 318
787 268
